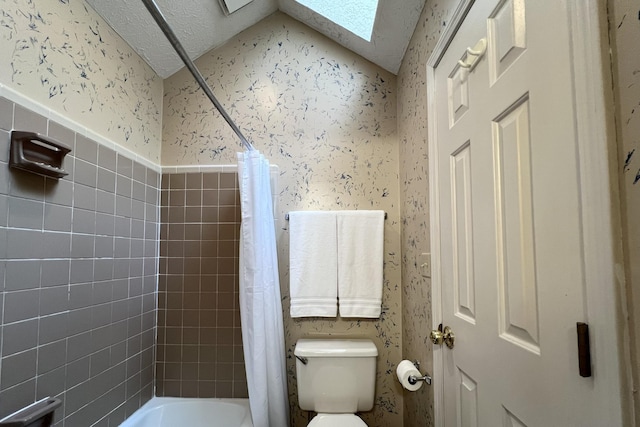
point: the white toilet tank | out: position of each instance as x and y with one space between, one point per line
339 375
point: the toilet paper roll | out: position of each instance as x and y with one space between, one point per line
405 369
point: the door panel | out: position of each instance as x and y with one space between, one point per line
461 210
507 36
518 315
458 91
467 401
511 420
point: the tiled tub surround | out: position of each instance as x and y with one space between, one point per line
78 274
65 57
199 339
414 186
327 118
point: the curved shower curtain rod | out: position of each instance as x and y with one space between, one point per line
152 7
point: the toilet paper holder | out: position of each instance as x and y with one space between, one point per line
414 379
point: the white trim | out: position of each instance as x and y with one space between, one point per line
434 202
199 168
600 220
210 168
449 32
434 224
600 214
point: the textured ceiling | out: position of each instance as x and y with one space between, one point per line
200 25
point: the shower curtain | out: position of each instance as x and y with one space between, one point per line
260 304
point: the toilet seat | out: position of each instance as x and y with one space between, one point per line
337 420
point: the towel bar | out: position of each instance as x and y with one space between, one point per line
286 216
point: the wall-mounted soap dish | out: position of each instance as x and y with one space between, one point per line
38 414
37 153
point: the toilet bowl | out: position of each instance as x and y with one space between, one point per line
337 420
336 378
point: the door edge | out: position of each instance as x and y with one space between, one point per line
601 222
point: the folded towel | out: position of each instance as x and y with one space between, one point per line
313 264
360 262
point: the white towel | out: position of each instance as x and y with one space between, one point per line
313 264
360 262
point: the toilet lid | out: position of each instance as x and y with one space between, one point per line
337 420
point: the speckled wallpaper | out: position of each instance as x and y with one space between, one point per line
414 187
327 118
624 26
62 55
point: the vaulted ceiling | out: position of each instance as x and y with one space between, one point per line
201 25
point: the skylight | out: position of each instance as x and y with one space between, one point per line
357 16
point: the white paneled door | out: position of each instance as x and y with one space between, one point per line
511 242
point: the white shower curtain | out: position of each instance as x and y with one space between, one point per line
260 304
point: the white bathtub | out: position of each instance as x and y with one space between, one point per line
178 411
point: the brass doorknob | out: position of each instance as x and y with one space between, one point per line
439 336
436 337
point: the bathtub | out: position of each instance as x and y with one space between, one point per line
179 411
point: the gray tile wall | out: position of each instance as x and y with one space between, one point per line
199 350
78 278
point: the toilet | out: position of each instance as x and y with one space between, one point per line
336 379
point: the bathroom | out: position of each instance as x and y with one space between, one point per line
79 321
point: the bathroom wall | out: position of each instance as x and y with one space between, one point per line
414 185
199 339
78 273
62 55
624 27
78 257
327 118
